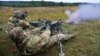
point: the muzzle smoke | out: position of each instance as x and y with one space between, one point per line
85 12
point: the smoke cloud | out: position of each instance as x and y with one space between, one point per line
85 12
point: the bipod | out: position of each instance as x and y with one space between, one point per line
61 53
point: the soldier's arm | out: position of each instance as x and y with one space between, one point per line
69 36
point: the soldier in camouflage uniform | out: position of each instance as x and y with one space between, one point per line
29 43
14 20
44 40
20 34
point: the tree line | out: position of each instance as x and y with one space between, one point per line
35 3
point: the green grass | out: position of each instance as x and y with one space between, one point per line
86 43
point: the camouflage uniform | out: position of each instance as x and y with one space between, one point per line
59 37
14 20
36 42
17 36
20 34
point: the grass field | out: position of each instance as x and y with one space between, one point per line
86 43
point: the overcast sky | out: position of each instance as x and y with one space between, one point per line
91 1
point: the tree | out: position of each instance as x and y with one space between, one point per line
61 4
